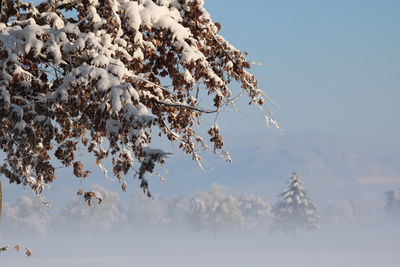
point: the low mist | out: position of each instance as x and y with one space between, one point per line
355 246
227 229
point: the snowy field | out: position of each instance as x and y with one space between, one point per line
328 259
347 249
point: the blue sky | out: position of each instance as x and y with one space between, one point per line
333 66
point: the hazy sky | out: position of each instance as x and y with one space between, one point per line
332 66
334 69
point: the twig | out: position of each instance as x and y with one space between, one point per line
244 79
180 105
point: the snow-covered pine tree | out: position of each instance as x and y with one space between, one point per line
294 209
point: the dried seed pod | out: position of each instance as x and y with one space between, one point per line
28 252
124 186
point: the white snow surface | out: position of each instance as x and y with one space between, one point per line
194 250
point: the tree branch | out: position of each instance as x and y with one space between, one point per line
180 105
233 60
1 201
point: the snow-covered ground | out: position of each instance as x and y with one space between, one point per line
327 259
352 248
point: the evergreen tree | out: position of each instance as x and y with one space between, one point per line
393 204
294 209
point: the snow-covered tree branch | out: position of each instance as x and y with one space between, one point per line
79 74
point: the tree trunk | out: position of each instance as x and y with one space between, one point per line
1 200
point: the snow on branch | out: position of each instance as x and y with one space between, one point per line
71 83
180 105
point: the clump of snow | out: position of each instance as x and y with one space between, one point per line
100 61
113 127
132 12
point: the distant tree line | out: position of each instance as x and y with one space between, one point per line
213 210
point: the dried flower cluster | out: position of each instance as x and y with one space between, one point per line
89 197
103 75
17 248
